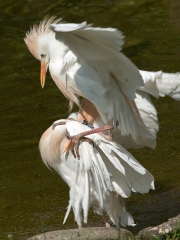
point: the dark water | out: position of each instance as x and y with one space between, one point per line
30 194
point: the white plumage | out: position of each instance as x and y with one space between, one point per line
160 84
85 61
104 175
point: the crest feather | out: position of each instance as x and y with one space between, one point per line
37 31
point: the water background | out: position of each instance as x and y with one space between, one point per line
30 194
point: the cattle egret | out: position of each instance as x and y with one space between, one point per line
86 62
105 174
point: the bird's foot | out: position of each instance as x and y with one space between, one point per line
105 221
75 140
107 224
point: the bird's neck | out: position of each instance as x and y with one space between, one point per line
57 49
87 112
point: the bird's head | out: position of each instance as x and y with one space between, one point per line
37 41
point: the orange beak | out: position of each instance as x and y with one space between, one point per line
43 73
68 146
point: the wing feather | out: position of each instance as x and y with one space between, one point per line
160 84
101 73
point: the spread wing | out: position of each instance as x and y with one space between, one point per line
101 73
160 84
105 168
116 164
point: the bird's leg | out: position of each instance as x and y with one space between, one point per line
105 221
76 139
109 137
61 123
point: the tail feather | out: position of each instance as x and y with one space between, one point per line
86 199
67 212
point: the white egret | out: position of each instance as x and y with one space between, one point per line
105 174
85 61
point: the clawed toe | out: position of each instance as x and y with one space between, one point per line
76 141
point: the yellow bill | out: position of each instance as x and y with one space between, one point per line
43 73
68 146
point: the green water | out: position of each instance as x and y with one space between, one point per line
28 190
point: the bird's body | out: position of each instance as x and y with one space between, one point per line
104 175
97 71
86 62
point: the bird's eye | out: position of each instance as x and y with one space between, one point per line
42 55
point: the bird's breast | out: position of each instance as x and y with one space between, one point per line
64 82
